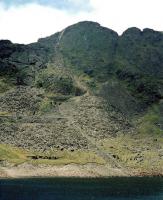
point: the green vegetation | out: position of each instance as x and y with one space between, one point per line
17 156
146 89
55 80
135 152
12 154
151 122
45 105
68 157
134 60
88 48
5 84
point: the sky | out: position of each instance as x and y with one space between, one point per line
24 21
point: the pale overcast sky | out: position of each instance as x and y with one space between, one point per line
24 21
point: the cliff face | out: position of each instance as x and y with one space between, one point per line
81 87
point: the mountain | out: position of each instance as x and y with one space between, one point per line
84 94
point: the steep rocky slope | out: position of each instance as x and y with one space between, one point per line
86 89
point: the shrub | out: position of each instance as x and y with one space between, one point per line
55 81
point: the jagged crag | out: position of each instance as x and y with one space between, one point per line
86 88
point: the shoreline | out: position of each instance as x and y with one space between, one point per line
26 170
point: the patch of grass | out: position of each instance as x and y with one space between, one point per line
150 122
5 114
17 156
5 85
55 80
139 152
66 157
57 98
12 154
45 105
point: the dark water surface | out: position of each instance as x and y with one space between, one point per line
82 189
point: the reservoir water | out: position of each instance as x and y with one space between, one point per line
82 189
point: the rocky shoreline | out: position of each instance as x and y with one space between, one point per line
89 170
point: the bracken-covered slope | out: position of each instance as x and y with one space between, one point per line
86 88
